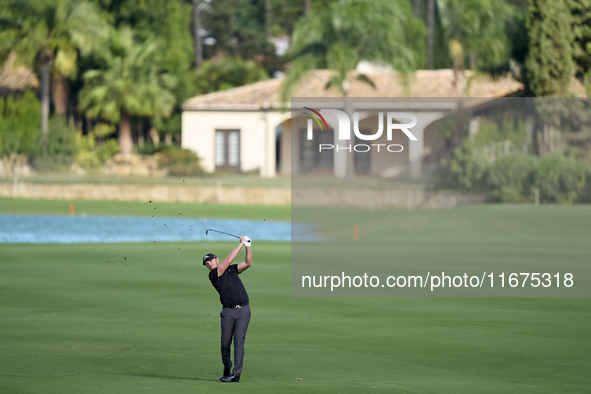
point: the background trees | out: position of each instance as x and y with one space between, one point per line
339 37
477 29
53 32
133 82
544 43
550 61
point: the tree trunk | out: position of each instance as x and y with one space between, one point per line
89 125
154 136
125 139
416 11
140 133
307 8
472 61
460 115
431 32
45 63
59 93
197 28
267 19
168 139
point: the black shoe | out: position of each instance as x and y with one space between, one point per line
227 372
231 378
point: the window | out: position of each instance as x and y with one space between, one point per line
310 156
227 149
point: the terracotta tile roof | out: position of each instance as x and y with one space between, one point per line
14 78
423 83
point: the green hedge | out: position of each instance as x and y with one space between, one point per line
59 149
561 179
510 178
20 124
514 177
178 161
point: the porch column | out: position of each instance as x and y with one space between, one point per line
415 148
267 169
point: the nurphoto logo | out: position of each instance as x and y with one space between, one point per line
344 130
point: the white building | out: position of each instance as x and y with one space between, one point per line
249 129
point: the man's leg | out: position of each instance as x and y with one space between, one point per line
227 323
242 320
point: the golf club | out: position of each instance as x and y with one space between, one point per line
210 229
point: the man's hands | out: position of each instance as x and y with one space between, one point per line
244 240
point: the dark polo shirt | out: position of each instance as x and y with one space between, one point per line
230 287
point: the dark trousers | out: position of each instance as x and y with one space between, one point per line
234 324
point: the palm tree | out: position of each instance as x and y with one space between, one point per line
416 10
346 33
198 6
55 32
133 82
476 28
431 33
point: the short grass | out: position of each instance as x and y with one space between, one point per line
143 318
473 240
145 208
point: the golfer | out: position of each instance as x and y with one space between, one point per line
235 314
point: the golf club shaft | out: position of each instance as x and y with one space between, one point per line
232 235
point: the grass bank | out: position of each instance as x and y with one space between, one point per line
147 208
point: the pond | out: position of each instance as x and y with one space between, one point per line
114 229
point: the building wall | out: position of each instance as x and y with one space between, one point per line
257 153
435 148
285 148
198 134
384 163
290 145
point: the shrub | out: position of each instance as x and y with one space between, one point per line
561 179
467 169
180 161
148 149
510 130
59 150
20 124
585 195
511 177
93 153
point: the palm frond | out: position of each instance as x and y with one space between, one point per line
298 69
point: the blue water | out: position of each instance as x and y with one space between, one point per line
111 229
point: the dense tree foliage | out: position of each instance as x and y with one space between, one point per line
20 118
550 62
545 43
54 32
340 37
226 73
131 83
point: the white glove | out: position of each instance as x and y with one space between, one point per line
247 241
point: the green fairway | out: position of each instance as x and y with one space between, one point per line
146 208
143 318
491 239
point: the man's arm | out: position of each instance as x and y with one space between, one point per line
245 264
230 258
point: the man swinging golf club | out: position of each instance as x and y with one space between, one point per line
235 314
